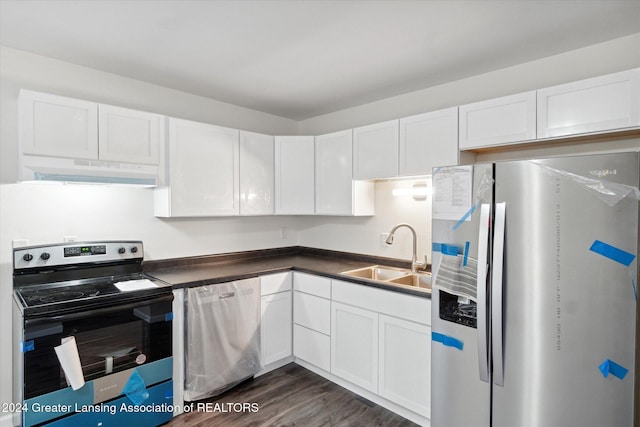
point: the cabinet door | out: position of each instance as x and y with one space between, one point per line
592 105
295 181
128 135
275 328
256 174
334 185
405 364
354 345
428 140
498 121
375 151
56 126
203 169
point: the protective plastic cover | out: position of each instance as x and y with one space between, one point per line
222 337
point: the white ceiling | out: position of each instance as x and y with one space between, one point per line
300 59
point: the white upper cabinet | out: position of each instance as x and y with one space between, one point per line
428 140
336 192
127 135
203 171
593 105
294 170
499 121
56 126
256 174
375 151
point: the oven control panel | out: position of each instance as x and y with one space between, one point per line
76 253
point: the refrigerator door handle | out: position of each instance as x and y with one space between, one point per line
481 284
497 294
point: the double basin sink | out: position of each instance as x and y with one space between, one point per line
391 275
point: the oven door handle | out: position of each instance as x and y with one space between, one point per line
97 311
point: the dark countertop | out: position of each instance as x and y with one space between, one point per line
206 270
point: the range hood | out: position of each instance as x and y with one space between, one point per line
37 168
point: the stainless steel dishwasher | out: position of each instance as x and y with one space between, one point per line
222 337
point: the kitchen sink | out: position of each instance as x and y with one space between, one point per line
420 280
391 275
375 272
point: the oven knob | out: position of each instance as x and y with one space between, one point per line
121 250
45 256
134 249
27 257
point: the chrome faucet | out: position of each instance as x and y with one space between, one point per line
415 264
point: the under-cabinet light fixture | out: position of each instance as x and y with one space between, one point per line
418 191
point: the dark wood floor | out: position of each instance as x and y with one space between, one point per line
290 396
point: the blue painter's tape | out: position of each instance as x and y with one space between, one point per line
613 253
168 317
27 346
466 254
445 249
447 340
610 367
466 215
449 250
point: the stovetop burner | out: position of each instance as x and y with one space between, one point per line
48 294
64 278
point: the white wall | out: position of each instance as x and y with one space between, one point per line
362 235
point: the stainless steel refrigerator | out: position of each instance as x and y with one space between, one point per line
534 306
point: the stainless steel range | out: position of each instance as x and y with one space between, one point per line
92 336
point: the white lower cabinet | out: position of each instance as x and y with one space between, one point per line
275 327
312 319
354 345
404 373
276 318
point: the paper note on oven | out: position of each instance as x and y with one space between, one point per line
69 358
135 285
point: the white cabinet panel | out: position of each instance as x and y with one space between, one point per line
256 174
592 105
312 284
375 150
127 135
408 307
354 345
312 312
52 125
498 121
203 171
428 140
312 347
336 192
405 364
294 175
275 328
274 283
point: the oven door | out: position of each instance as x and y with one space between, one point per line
109 340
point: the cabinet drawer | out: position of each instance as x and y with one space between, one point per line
274 283
312 312
395 304
310 284
312 347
